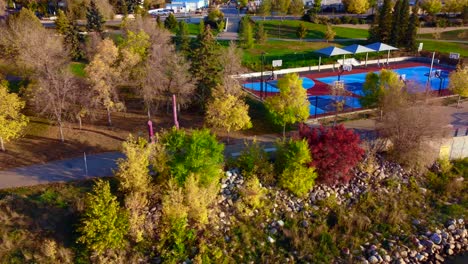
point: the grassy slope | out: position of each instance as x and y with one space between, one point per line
77 68
287 29
446 47
459 34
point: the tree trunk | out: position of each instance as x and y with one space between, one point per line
79 121
149 113
284 132
1 144
61 132
228 137
109 120
458 101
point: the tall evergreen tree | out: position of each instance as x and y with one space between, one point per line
396 23
94 18
261 35
182 37
374 31
265 8
73 40
410 37
171 22
246 33
385 21
206 65
404 21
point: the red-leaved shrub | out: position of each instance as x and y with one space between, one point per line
335 152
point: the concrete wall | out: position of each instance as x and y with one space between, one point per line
456 147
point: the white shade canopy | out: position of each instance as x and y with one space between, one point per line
379 46
332 51
355 48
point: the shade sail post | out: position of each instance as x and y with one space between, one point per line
320 60
367 54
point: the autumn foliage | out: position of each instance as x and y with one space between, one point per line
335 151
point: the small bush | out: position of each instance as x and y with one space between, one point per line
253 161
291 166
346 19
335 21
199 199
354 20
323 20
253 194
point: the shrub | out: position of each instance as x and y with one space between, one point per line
253 162
346 19
253 194
292 159
198 153
171 22
336 152
354 20
175 238
104 224
199 199
335 20
323 20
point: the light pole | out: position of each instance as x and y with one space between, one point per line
261 75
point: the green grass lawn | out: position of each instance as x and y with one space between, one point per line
445 47
193 29
293 54
287 29
77 68
459 34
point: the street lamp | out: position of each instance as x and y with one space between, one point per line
261 75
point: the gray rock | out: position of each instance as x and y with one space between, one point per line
373 259
270 239
436 238
449 251
439 258
222 214
228 174
280 223
413 253
273 231
404 254
400 261
461 221
420 257
451 227
416 222
387 258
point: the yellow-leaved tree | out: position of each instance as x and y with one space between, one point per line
291 104
135 182
104 74
12 122
459 83
228 112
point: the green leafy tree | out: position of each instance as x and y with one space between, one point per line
246 33
291 104
198 153
264 9
171 22
215 19
137 43
282 6
330 33
296 7
12 122
459 82
201 29
372 91
182 39
205 59
228 112
432 7
385 21
103 224
261 35
94 19
356 6
291 165
301 31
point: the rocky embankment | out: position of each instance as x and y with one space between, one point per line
424 246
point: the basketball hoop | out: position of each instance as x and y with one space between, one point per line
347 67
